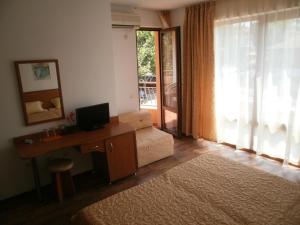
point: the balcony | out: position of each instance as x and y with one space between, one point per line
148 92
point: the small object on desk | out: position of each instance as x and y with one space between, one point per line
50 135
46 132
53 131
28 141
61 128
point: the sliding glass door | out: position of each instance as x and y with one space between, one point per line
147 43
258 83
170 80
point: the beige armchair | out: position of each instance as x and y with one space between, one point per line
152 143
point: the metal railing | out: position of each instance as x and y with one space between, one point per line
147 93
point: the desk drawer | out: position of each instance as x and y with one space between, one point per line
91 147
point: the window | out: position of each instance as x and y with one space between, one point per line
258 83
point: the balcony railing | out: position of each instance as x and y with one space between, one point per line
147 93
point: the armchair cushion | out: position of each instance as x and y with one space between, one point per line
138 120
152 145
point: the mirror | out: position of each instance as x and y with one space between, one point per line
40 90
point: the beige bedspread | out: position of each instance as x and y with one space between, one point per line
207 190
46 115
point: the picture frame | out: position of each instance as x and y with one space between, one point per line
40 90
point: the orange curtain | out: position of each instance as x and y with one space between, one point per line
198 83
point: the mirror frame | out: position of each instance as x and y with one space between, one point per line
22 93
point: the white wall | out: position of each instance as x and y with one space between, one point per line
125 60
79 35
177 17
149 18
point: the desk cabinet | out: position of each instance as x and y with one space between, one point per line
91 147
121 156
113 148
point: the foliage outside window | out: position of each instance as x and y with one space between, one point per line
146 53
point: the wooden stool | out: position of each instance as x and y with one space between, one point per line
61 169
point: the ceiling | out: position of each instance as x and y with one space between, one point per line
156 4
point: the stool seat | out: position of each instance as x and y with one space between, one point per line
60 165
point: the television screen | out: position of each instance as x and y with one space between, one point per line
92 117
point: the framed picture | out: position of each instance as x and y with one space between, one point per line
40 90
38 75
41 71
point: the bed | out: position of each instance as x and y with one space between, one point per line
49 114
209 190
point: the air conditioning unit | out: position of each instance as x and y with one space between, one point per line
124 19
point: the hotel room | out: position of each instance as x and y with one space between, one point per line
150 112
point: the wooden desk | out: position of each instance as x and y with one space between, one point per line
114 145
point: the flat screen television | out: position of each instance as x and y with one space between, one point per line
92 117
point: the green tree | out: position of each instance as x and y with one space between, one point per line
146 53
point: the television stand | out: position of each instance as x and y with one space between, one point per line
96 127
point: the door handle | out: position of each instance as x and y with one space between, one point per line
111 146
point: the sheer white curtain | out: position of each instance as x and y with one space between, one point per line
257 60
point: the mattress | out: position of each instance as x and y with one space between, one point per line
208 190
152 145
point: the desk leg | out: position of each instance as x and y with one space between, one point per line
36 178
